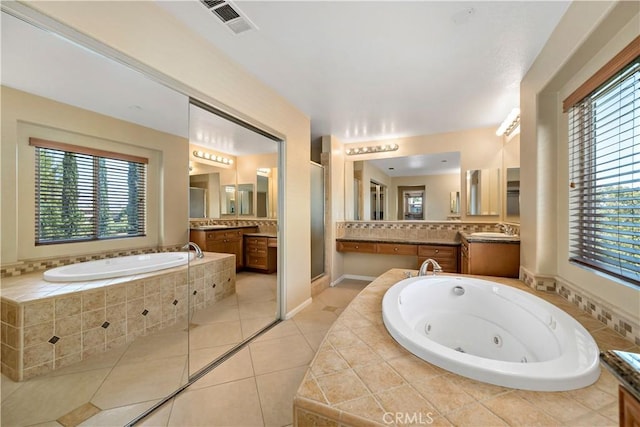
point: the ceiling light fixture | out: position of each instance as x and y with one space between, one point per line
510 124
212 157
372 149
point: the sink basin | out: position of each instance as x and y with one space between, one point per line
491 234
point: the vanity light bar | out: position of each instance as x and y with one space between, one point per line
212 157
372 149
510 123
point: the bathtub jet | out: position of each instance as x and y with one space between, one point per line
491 333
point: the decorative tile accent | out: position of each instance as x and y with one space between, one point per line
73 322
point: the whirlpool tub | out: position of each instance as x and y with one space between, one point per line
117 267
491 333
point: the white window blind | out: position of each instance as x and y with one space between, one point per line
604 168
84 194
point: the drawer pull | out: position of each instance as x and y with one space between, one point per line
357 247
395 249
437 250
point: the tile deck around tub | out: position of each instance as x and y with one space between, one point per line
361 376
46 326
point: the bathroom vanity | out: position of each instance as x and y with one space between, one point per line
261 252
625 366
222 239
490 256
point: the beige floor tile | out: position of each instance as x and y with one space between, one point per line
475 415
253 325
230 404
593 419
283 329
611 411
216 313
198 359
160 417
280 353
48 398
342 386
337 296
276 391
140 382
47 424
117 416
379 377
315 338
107 359
593 398
557 405
258 309
237 367
78 415
314 321
518 412
214 335
156 346
8 386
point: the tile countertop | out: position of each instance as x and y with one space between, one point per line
220 227
269 235
361 376
469 237
626 367
447 242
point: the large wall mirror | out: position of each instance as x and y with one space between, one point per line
236 168
407 188
97 364
483 192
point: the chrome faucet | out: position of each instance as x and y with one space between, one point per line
199 253
425 267
506 229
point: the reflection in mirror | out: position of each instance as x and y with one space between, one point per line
228 200
245 199
454 199
483 192
513 192
262 194
434 175
197 202
89 100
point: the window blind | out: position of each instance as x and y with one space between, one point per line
82 197
604 168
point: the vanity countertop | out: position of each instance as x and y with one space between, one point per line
220 227
448 242
269 235
489 239
625 366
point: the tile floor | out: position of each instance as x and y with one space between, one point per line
254 387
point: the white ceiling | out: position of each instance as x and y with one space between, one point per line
365 70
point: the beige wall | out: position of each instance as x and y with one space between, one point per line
588 36
25 115
155 39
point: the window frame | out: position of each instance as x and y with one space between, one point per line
95 156
583 145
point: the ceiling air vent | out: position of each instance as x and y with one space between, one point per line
230 15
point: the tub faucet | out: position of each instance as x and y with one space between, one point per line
199 253
425 267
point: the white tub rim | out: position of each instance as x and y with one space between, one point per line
558 374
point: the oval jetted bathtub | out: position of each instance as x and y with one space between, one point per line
117 267
491 333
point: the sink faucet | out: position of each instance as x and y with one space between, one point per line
199 253
425 266
506 229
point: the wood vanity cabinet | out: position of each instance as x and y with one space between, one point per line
500 259
629 408
227 241
260 253
446 256
362 247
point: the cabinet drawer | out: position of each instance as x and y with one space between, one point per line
260 242
257 261
437 251
224 235
397 249
448 265
256 250
272 242
356 247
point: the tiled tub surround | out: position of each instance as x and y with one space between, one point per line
46 326
361 376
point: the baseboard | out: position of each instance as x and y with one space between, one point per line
298 309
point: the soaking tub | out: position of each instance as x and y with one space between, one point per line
117 267
491 333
